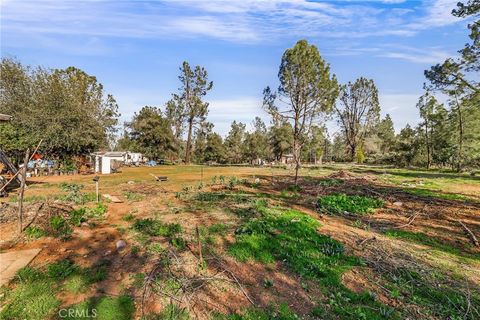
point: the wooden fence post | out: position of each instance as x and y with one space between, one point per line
22 191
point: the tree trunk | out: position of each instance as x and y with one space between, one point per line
22 191
460 140
189 141
296 158
353 149
428 146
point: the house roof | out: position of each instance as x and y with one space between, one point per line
5 117
115 154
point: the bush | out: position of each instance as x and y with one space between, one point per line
34 232
61 269
341 203
59 227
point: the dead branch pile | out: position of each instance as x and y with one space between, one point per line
181 279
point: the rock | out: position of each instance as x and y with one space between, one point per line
84 224
121 244
257 181
108 252
131 182
398 204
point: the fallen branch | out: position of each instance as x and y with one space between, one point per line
361 243
34 217
469 232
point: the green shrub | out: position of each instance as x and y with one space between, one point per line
96 212
179 243
59 227
62 269
33 232
78 216
75 194
340 203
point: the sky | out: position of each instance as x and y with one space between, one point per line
135 48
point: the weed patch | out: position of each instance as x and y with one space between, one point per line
330 182
75 194
103 308
59 227
33 232
133 196
341 203
156 228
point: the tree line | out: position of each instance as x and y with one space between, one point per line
66 108
70 110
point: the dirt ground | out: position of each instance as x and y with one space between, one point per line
228 286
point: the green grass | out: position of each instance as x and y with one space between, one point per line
340 203
281 312
133 196
218 228
421 238
138 279
330 182
291 237
171 312
439 195
33 300
128 217
103 308
76 284
34 296
62 269
156 228
440 300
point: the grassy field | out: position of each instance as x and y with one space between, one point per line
348 242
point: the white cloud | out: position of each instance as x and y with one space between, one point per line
246 21
415 55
